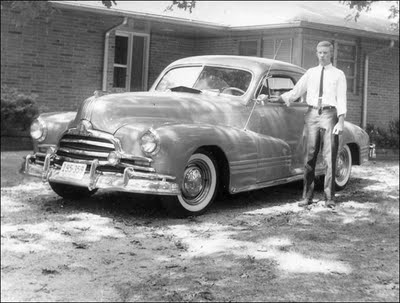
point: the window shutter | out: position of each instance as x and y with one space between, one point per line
270 47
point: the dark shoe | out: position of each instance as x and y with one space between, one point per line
305 202
330 204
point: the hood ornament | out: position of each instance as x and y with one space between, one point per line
83 128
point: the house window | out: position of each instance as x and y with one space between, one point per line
280 49
131 61
345 59
120 61
249 48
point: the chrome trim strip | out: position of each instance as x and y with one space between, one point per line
266 184
88 142
134 158
84 152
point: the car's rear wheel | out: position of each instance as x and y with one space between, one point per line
70 191
199 186
343 168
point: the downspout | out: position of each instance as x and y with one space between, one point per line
365 91
105 59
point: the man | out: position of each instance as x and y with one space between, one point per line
326 87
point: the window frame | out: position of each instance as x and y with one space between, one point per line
337 43
257 40
128 66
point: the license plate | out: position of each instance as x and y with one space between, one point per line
73 170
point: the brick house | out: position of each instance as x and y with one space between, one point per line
85 48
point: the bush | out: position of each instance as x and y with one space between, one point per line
384 138
18 110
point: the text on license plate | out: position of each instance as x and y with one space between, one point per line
73 170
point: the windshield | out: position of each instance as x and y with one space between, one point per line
207 78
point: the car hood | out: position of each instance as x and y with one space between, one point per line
111 112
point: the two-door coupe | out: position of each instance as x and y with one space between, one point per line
205 125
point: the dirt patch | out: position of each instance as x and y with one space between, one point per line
257 246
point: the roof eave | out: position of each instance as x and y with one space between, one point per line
138 15
213 26
320 26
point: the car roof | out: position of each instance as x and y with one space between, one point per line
245 62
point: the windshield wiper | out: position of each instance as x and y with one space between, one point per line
185 89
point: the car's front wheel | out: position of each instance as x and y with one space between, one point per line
343 168
70 191
198 188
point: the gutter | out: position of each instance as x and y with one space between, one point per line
365 88
105 58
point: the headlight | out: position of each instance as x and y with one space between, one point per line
150 142
38 130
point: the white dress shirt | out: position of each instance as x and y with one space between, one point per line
334 93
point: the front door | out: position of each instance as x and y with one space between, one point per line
285 124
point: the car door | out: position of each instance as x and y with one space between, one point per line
283 123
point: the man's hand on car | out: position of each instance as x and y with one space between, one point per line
278 99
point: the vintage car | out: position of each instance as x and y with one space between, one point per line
206 125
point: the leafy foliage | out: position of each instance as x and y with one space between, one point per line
384 138
359 6
30 10
17 110
185 5
108 4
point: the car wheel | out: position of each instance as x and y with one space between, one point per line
70 191
199 186
343 168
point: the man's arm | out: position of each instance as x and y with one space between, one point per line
298 90
341 104
338 129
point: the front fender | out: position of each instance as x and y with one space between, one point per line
56 123
180 141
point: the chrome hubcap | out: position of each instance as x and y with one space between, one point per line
192 182
342 166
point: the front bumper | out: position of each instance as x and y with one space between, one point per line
130 181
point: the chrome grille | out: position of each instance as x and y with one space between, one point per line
85 147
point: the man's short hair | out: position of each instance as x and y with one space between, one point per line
326 44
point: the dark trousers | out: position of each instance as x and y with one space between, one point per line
318 135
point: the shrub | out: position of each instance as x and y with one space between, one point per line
384 138
17 109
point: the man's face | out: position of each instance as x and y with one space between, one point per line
324 55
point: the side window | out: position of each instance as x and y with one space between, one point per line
278 85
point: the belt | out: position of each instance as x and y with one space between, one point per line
322 107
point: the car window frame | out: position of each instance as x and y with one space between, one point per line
203 65
279 73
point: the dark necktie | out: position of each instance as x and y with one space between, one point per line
321 89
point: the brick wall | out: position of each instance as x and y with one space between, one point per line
383 83
61 61
164 49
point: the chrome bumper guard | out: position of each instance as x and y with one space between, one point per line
372 151
130 181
